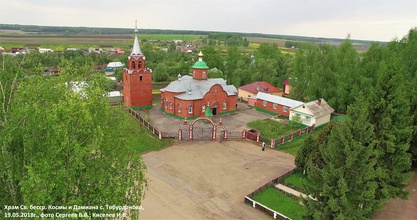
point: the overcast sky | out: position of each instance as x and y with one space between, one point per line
381 20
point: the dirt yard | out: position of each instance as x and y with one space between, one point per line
401 209
208 180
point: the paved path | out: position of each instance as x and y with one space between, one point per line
234 122
291 191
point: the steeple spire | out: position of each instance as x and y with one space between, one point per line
136 48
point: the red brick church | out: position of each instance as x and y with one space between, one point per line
197 95
137 79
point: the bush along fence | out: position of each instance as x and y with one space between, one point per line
255 136
263 208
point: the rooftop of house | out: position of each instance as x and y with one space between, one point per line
278 100
192 89
318 107
260 86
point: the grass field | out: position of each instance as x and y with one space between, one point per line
105 41
278 201
272 129
140 140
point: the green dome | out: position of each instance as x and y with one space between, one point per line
200 65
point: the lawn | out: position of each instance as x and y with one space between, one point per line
139 139
272 129
293 146
278 201
295 179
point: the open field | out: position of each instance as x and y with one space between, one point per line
208 180
60 42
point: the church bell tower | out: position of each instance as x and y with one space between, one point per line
137 79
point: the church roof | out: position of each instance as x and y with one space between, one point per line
136 47
192 89
200 65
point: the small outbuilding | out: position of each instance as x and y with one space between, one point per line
317 112
275 104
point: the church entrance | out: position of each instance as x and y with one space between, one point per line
214 109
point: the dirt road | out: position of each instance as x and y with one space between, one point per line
208 180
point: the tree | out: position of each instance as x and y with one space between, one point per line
63 148
344 185
160 74
213 58
390 114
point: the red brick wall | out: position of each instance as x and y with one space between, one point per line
198 74
137 87
270 107
215 95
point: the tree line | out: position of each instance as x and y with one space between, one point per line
354 167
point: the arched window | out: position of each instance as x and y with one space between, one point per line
133 65
166 103
203 108
190 109
140 78
139 64
224 105
204 75
179 108
170 105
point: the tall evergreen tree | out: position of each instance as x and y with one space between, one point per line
390 115
344 186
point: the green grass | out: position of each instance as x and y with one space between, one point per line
296 179
139 139
278 201
272 129
293 146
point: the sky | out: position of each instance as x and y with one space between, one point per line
376 20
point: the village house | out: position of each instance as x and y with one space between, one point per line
317 112
197 95
251 90
275 104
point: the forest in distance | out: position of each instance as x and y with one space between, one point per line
369 153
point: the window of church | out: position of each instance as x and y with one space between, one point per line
170 105
179 108
140 78
204 75
190 109
203 108
133 65
224 105
139 64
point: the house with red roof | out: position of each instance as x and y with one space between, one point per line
251 90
